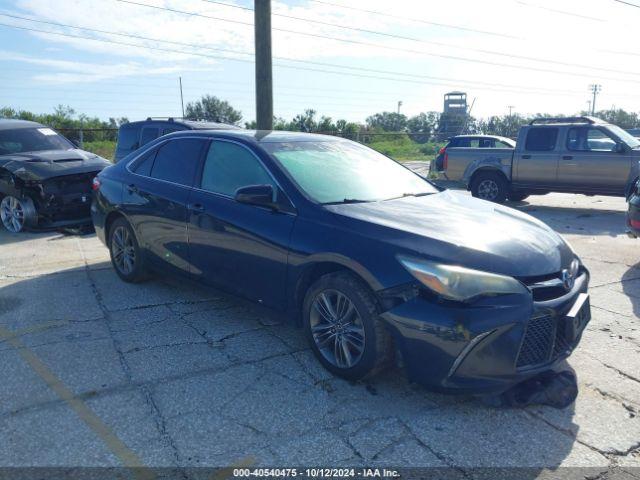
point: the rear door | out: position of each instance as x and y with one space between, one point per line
591 162
241 248
156 200
537 160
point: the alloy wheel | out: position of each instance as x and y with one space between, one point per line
123 250
337 329
12 214
488 189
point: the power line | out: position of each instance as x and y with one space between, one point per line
387 47
417 20
430 42
627 3
488 85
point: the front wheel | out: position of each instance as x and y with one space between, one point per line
343 327
126 256
17 213
490 186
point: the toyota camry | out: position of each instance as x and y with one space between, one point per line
370 259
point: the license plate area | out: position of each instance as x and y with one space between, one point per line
576 320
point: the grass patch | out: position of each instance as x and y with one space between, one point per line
403 149
104 148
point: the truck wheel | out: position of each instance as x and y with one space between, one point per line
518 196
489 186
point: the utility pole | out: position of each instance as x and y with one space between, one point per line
264 78
510 107
595 89
399 105
181 97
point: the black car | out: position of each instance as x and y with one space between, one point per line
45 181
368 257
633 212
134 135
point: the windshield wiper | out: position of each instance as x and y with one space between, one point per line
411 195
347 200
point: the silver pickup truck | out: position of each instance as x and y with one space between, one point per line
575 155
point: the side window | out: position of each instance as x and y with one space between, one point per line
475 143
487 142
599 141
148 134
177 161
588 139
128 138
454 142
143 165
229 167
464 143
500 144
541 139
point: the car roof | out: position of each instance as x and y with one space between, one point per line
10 124
189 124
496 137
260 136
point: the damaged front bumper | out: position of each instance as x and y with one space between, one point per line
64 201
491 345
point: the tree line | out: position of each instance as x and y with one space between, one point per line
421 128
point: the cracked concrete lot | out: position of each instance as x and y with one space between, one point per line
96 372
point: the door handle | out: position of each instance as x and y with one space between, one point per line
132 188
196 208
567 157
526 157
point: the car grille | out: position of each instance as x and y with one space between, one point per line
544 341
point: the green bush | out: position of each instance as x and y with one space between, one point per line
104 148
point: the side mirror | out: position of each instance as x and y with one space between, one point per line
259 195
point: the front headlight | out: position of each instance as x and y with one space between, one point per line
459 283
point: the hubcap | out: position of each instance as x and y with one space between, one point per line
123 250
488 190
12 214
337 328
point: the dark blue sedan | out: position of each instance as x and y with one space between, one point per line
369 258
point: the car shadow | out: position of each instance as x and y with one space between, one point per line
576 221
387 420
8 238
631 287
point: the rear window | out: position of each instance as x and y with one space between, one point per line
143 165
541 139
149 134
177 161
128 138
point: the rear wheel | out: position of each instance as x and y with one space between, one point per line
343 327
491 186
17 213
126 255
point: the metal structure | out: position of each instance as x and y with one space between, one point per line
454 115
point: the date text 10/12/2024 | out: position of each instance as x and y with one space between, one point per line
316 472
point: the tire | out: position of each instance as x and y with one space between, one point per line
369 350
123 245
518 196
17 214
490 186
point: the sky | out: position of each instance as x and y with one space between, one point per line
345 59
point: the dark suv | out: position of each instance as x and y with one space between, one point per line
132 136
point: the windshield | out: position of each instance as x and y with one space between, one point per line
626 137
21 140
340 171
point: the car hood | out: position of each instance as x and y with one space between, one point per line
455 228
52 163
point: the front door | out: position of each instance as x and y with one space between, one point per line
241 248
592 162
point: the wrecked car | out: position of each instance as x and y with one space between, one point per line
370 259
45 181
